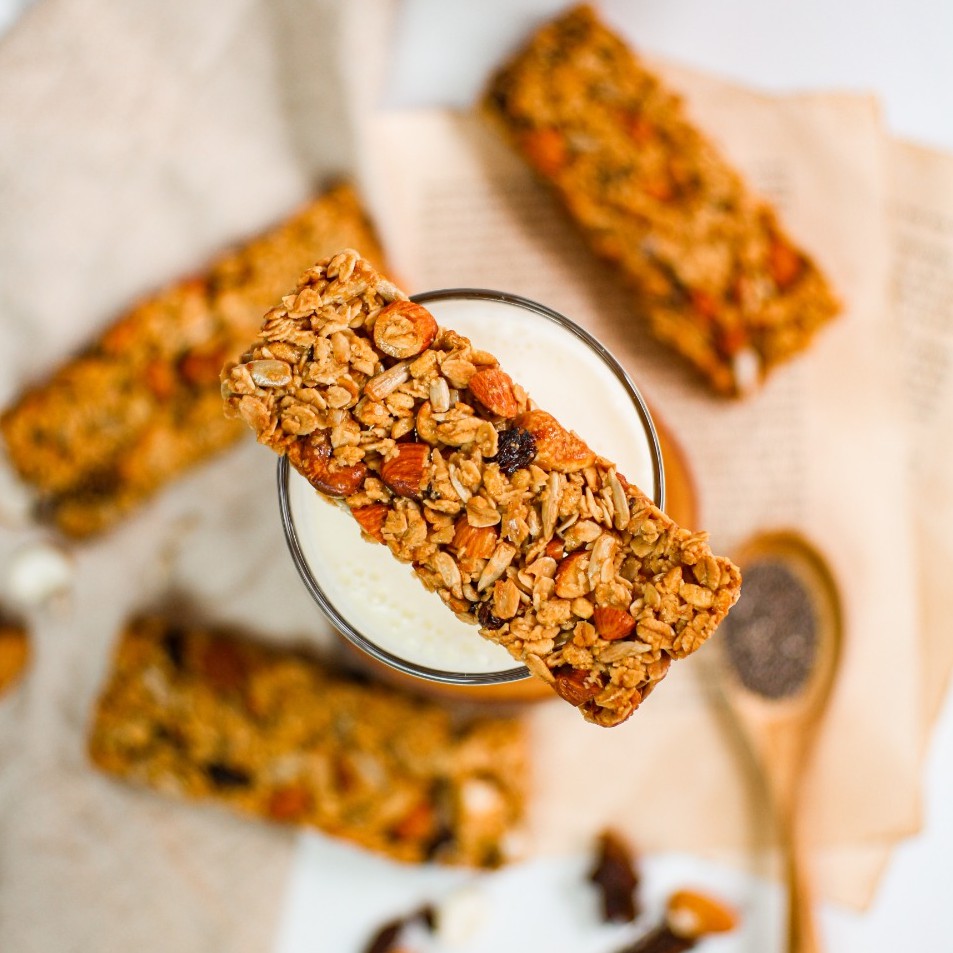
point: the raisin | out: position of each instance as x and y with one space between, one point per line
225 776
385 939
516 449
486 618
660 940
615 876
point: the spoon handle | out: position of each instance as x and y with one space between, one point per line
802 928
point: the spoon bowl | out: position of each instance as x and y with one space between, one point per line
778 701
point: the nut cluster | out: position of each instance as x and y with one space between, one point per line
512 519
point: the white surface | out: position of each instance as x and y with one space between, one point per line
376 593
902 50
540 906
443 52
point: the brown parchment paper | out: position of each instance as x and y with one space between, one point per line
799 455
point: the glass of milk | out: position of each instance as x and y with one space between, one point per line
375 601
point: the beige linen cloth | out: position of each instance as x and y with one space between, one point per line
135 141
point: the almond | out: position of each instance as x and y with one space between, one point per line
404 329
313 461
574 686
555 549
494 389
556 448
611 623
691 915
571 578
473 542
404 473
371 518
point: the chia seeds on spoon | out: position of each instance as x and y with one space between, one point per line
771 635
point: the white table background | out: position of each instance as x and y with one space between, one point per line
443 51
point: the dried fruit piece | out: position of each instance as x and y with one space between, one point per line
556 448
289 803
612 623
404 472
784 263
202 368
574 686
617 879
516 448
314 461
223 665
486 618
371 518
494 389
546 150
14 654
660 940
690 914
385 940
474 542
416 824
404 329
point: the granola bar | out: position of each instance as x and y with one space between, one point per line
711 267
512 519
274 733
142 404
14 654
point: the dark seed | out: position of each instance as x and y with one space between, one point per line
516 449
616 877
225 776
174 645
486 618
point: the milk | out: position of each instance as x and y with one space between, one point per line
381 597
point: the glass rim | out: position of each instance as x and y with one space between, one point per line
342 624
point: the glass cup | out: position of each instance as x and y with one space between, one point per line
511 681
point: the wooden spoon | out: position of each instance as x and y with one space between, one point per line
778 713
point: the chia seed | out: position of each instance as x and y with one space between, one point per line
771 634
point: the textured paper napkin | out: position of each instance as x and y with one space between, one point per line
138 140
